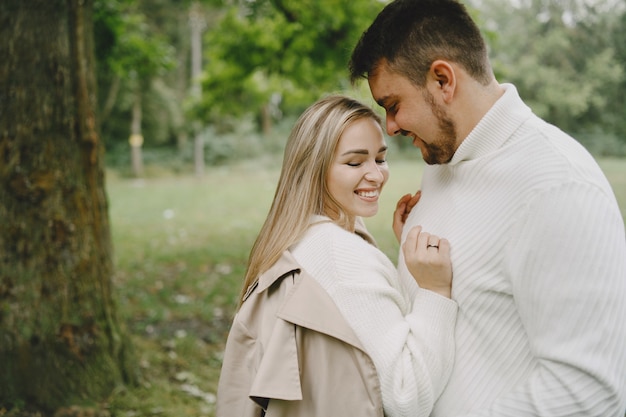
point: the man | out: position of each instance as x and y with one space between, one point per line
538 244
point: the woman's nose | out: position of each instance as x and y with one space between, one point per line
374 174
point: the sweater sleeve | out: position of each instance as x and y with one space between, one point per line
567 262
411 344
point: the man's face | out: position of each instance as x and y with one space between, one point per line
414 111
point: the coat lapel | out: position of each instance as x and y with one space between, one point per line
306 305
278 374
310 306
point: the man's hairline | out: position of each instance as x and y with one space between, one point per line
391 68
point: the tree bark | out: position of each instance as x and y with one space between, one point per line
197 24
136 136
60 337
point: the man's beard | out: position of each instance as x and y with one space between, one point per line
442 151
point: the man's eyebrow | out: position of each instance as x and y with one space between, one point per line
382 102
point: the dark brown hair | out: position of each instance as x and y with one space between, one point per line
411 34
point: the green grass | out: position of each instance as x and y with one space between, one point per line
181 245
180 251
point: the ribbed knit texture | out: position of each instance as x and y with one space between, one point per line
410 339
539 271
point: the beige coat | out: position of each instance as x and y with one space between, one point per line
291 353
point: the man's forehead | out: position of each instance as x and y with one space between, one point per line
381 87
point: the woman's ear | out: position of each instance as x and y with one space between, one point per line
442 73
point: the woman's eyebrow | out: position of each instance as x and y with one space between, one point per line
363 151
356 151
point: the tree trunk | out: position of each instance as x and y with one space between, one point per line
60 338
197 25
136 137
266 119
182 83
114 89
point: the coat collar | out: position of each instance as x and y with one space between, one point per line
286 265
308 305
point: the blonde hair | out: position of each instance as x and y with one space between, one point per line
302 189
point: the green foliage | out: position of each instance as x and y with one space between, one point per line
600 143
295 49
244 142
616 119
563 59
126 44
133 54
265 60
241 141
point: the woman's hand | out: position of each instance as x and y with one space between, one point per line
403 208
428 259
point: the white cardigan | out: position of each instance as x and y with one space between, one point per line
410 340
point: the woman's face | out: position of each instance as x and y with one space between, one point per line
359 168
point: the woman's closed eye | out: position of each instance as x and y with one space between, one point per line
379 161
354 164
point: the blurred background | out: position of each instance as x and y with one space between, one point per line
210 82
195 102
216 87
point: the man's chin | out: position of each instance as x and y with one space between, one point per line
427 157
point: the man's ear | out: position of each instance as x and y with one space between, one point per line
443 74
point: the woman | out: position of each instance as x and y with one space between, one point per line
324 327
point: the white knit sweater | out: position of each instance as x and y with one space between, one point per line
410 340
539 265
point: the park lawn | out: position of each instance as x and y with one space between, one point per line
181 245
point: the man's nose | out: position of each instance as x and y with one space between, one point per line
391 125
